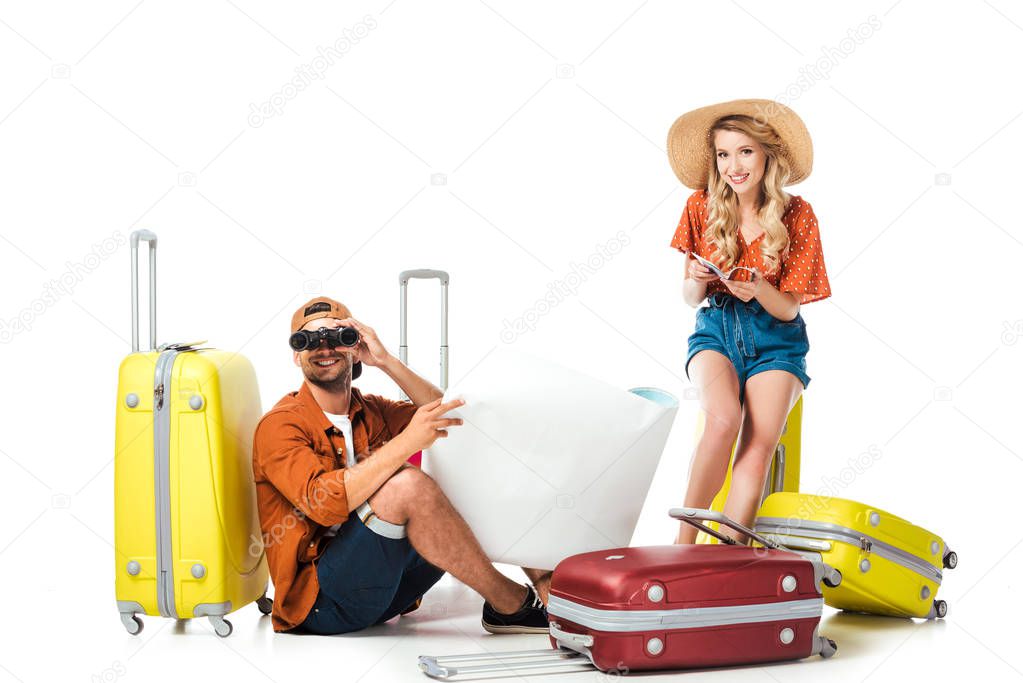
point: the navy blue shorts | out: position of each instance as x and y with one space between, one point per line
366 579
753 339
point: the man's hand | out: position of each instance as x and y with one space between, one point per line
429 424
745 291
370 350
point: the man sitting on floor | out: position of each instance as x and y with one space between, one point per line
354 535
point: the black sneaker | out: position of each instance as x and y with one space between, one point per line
531 617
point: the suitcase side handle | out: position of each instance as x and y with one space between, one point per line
149 238
696 517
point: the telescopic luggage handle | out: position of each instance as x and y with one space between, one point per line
696 517
825 573
450 666
150 238
426 274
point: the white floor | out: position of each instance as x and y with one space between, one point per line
83 640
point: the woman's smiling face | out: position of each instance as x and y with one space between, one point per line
740 159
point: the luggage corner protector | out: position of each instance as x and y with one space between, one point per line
823 574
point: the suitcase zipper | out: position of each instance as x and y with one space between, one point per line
833 532
161 478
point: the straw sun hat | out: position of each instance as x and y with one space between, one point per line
689 152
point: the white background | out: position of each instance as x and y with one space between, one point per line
503 142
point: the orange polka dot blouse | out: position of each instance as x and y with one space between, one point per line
802 272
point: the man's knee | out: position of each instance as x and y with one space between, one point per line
399 495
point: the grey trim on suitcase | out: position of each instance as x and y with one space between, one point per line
161 479
780 526
130 607
212 609
795 543
628 621
823 574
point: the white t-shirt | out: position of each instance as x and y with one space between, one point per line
343 423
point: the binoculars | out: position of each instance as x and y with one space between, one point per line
304 340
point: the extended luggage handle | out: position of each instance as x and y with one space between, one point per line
149 238
823 573
425 274
450 666
696 517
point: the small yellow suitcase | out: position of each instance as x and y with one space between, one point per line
784 474
889 566
187 539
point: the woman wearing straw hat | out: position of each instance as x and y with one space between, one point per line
747 354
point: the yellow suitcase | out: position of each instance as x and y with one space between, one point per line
784 474
187 539
889 566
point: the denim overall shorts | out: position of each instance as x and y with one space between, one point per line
753 339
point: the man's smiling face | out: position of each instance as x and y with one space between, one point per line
323 366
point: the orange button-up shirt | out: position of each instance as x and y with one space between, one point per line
802 272
300 486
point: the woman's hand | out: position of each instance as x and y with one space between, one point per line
699 272
744 291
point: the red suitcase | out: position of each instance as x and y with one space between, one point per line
678 607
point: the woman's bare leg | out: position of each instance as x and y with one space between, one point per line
715 377
769 397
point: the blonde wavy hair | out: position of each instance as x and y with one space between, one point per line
723 203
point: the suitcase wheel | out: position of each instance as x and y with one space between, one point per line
950 560
940 608
132 625
833 579
828 648
221 626
265 604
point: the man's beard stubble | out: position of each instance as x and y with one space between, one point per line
340 384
